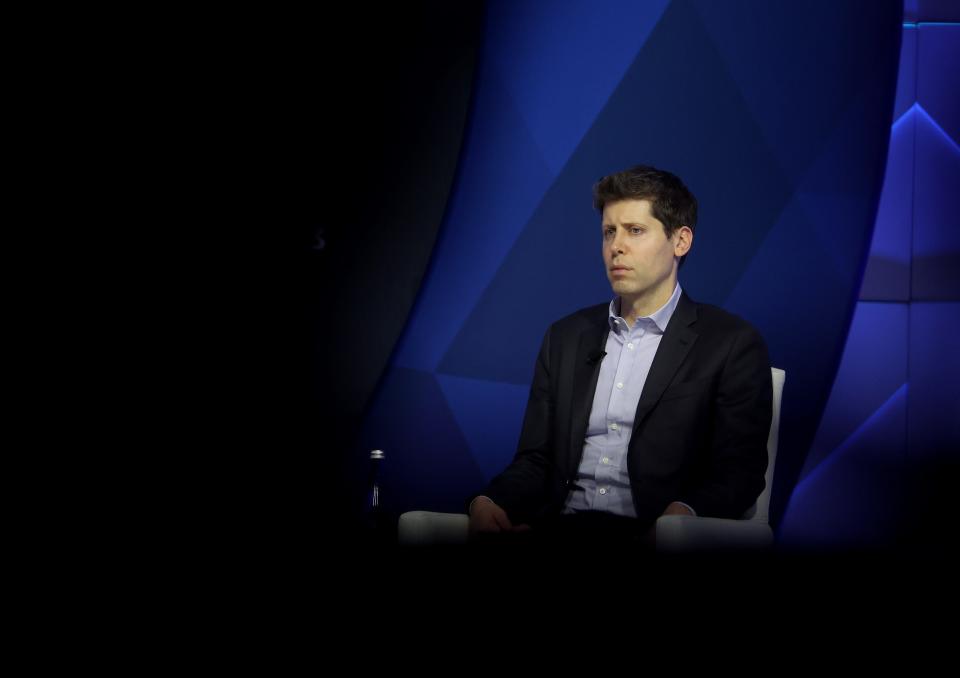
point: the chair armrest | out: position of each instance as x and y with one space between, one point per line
675 533
429 528
678 533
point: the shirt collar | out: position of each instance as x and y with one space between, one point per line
660 317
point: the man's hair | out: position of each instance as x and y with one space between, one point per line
671 201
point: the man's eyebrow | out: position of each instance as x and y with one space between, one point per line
626 223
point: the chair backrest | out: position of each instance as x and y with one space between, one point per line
760 509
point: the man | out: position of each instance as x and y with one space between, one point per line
648 405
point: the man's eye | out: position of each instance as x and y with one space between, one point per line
637 230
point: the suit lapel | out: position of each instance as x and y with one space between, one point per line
676 343
585 376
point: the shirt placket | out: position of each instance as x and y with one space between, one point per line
609 464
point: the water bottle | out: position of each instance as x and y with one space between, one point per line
377 521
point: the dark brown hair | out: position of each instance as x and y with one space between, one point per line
672 203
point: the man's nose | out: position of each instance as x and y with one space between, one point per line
616 243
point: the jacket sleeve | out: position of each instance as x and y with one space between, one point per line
737 458
523 486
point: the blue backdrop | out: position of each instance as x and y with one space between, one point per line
886 450
777 116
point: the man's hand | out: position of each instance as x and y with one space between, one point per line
677 509
674 509
488 518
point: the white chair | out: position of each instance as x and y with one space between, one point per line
675 533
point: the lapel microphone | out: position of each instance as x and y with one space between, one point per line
595 356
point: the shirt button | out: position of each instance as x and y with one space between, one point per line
603 490
614 427
630 346
620 385
606 460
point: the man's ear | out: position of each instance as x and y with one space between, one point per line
682 240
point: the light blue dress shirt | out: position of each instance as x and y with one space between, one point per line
603 481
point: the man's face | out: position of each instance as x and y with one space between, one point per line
639 257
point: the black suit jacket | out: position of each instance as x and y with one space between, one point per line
701 425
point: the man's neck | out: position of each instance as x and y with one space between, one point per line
638 307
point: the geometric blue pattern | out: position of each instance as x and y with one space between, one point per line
938 78
936 226
934 362
887 276
854 498
895 404
776 118
490 415
870 372
544 71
